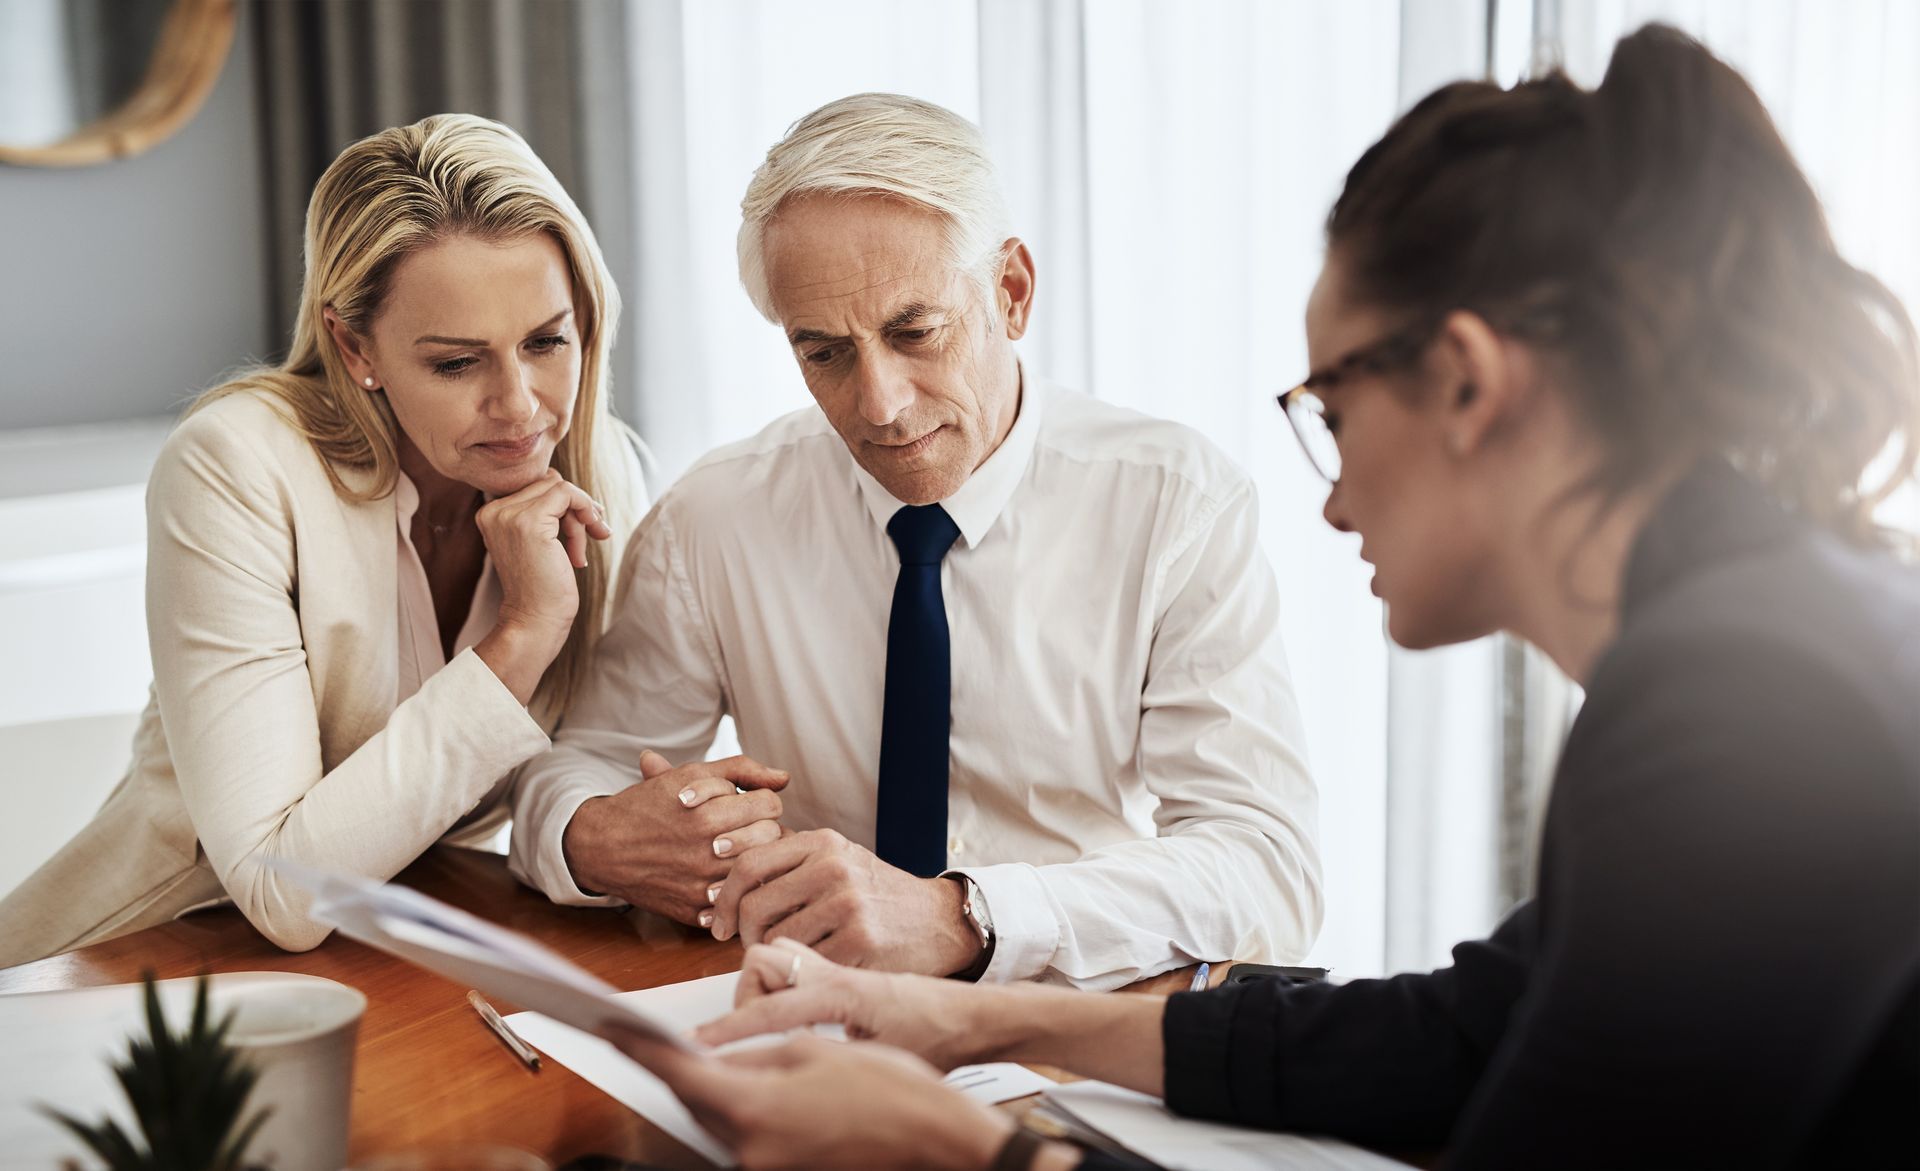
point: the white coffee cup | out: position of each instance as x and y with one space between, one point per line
298 1032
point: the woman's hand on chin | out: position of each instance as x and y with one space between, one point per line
537 537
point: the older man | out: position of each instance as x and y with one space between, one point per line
1018 649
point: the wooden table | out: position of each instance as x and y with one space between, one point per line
427 1073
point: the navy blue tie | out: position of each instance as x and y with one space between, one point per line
911 827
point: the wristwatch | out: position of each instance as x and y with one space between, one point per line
974 903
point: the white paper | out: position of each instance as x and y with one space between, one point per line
1145 1126
469 950
1000 1081
697 1002
617 1074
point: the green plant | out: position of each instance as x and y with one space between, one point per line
188 1091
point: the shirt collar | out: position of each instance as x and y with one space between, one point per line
406 502
976 504
1712 515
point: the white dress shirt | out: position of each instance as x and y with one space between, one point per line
1127 786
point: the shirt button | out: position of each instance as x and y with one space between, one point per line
955 847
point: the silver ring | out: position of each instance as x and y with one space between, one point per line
793 970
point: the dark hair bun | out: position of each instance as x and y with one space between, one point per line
1658 234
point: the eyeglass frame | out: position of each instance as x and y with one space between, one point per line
1379 356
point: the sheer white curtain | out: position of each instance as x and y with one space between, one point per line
1215 138
1171 164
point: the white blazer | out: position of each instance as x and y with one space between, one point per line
271 730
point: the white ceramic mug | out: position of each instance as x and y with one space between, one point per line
298 1032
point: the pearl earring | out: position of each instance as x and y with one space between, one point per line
369 383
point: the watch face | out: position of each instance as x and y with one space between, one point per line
977 911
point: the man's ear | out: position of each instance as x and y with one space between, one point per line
1015 288
353 351
1486 380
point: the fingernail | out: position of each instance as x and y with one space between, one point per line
721 846
706 918
713 893
686 796
783 774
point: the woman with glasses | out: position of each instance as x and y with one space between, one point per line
1589 369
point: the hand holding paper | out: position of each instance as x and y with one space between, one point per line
794 1105
618 1070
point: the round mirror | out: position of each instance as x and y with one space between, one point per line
89 81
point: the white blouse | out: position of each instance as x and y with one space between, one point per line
419 624
420 657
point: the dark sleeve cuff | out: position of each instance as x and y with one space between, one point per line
1220 1053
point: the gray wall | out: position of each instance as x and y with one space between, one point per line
126 287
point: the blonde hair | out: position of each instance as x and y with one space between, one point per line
887 145
386 197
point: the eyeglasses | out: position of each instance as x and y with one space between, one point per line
1306 404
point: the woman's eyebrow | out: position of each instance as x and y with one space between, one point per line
441 340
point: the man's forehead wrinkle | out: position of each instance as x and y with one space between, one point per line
868 269
895 290
841 270
850 285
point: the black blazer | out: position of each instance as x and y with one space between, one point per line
1722 965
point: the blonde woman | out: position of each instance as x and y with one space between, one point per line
376 572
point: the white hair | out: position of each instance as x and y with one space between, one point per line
886 145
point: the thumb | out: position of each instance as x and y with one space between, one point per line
790 1055
652 764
